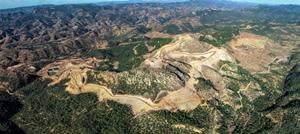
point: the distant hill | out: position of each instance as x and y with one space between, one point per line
205 66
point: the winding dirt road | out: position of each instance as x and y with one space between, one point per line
183 99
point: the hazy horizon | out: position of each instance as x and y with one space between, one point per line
6 4
296 2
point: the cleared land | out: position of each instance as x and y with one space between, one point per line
183 99
202 63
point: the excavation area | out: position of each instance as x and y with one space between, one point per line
170 74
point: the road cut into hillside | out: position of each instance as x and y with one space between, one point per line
187 61
183 99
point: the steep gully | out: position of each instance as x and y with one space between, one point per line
183 99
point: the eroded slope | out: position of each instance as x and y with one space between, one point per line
181 78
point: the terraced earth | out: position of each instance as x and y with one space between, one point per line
186 67
227 82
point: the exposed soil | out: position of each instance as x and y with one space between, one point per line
255 53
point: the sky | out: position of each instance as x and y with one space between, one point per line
21 3
272 1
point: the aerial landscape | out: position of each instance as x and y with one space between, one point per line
150 67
